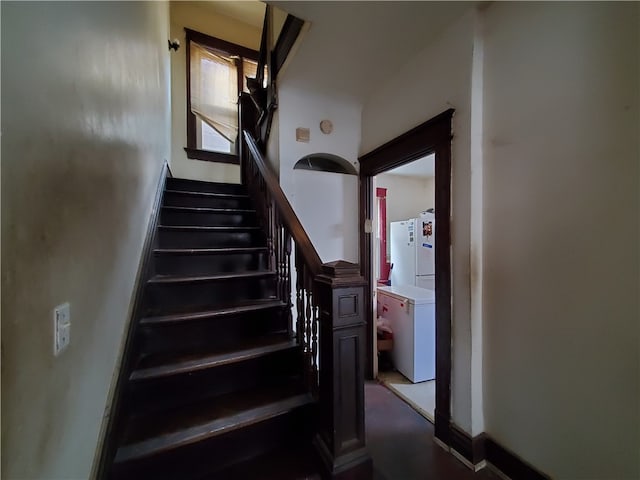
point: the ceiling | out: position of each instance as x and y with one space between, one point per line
424 167
352 46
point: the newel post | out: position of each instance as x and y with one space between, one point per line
341 438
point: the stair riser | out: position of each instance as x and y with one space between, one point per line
182 239
198 264
203 459
214 333
188 297
193 396
185 200
175 390
177 217
194 186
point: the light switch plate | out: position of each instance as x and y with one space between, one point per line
368 226
61 328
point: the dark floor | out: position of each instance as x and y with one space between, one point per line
400 442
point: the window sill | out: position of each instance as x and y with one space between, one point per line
207 156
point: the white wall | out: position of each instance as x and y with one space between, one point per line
561 121
85 109
197 17
436 79
326 203
476 225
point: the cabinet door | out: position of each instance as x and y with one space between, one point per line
399 313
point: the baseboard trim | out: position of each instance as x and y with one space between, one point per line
107 442
442 426
476 452
462 459
509 463
471 449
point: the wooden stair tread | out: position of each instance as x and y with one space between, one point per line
208 251
163 365
216 373
208 209
208 194
207 228
176 279
254 306
157 432
202 182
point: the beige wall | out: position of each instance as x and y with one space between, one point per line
552 120
278 18
561 133
406 197
85 132
195 16
436 79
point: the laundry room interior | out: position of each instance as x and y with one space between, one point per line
404 269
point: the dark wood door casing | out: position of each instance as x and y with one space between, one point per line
432 136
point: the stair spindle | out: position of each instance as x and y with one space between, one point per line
287 277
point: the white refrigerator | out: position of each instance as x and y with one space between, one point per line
413 251
411 314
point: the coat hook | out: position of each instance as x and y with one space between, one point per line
175 44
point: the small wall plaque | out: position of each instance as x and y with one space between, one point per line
302 135
326 127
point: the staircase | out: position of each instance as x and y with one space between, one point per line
215 386
215 382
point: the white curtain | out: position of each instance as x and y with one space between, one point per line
214 90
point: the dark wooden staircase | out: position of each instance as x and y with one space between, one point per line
215 372
218 380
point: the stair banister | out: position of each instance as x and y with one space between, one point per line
330 323
289 218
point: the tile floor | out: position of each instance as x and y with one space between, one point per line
421 396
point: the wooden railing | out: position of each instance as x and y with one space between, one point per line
329 324
281 225
272 58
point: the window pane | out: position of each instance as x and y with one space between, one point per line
214 95
212 140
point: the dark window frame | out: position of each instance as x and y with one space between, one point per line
228 48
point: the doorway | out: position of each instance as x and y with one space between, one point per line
432 137
404 267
